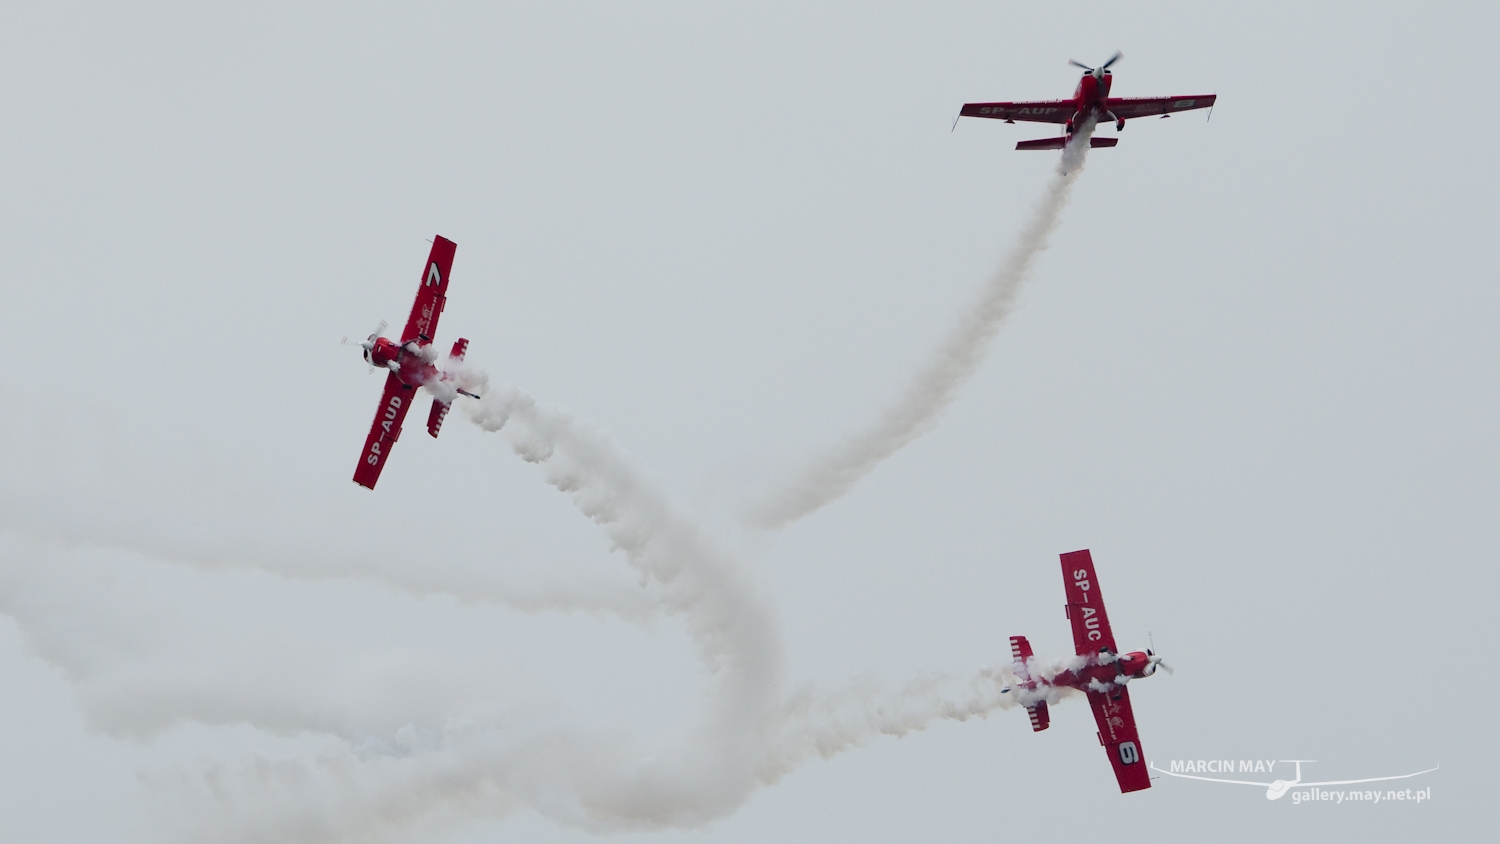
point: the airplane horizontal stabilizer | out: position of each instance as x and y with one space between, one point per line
436 416
1059 142
1039 718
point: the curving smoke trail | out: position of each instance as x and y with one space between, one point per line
746 736
757 736
698 581
380 748
383 749
371 775
916 411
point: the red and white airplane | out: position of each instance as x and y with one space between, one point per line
1099 671
412 364
1090 99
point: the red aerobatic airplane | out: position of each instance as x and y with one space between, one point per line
411 363
1101 673
1091 99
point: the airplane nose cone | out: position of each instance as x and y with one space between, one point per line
1277 789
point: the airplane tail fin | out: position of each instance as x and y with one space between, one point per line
1060 141
460 346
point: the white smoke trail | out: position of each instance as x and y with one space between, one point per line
828 723
698 580
778 735
915 412
734 632
68 480
362 742
457 375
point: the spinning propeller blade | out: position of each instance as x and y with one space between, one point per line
369 343
1151 657
1112 59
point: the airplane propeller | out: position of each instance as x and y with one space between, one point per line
1112 59
379 330
369 343
1152 658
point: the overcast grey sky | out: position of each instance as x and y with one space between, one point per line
1255 372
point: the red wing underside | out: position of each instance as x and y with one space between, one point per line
1117 733
1049 111
1128 107
385 431
421 326
1091 632
1061 111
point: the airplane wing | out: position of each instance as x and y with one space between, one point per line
1091 632
1046 111
1128 107
421 326
1117 734
386 430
